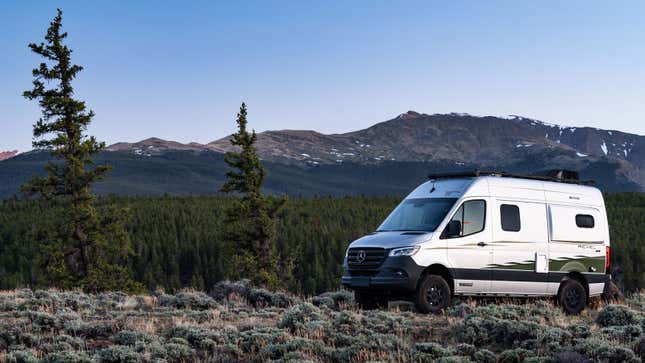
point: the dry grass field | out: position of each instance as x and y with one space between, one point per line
238 323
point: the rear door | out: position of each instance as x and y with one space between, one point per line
520 247
469 254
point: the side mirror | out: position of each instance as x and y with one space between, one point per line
453 229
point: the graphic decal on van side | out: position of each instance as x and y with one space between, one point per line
565 264
525 265
578 263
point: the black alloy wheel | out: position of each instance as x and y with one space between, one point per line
572 296
433 294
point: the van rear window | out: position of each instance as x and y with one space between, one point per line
510 217
584 221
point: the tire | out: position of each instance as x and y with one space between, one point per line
367 301
433 294
572 296
612 293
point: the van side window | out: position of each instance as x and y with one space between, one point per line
472 216
510 217
584 221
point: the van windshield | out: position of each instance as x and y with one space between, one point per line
419 214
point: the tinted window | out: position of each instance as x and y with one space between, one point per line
472 216
510 217
584 221
419 214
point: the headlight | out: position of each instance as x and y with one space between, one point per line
404 251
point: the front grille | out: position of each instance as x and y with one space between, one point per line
369 258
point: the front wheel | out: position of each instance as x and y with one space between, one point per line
572 296
433 294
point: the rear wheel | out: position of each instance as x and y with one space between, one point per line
367 301
433 294
572 296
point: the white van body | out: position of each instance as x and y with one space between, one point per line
519 237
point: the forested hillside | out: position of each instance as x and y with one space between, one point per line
178 241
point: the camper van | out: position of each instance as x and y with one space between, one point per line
486 234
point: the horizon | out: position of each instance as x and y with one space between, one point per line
180 71
505 117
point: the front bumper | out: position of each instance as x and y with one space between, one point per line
396 274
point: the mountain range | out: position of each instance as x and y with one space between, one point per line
368 161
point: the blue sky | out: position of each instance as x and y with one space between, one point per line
179 70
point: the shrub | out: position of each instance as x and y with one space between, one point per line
301 345
454 359
194 335
461 310
347 322
569 356
639 348
431 350
617 355
118 354
516 355
178 352
465 349
484 356
76 343
40 321
616 315
224 289
264 298
71 356
624 333
334 300
579 330
553 338
21 356
300 316
505 333
93 330
194 300
127 337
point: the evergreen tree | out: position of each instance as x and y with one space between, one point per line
251 223
83 247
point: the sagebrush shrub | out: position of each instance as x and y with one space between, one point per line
224 289
71 356
118 354
21 356
194 300
613 315
334 300
430 350
178 352
127 337
484 356
517 355
639 348
264 298
569 356
298 318
461 310
625 333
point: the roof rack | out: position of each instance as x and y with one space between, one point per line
557 175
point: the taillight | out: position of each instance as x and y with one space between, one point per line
607 259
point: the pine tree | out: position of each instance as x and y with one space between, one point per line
84 246
251 223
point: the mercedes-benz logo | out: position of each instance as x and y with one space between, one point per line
360 257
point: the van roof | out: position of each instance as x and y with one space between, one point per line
510 188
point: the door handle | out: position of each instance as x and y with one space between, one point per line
482 244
